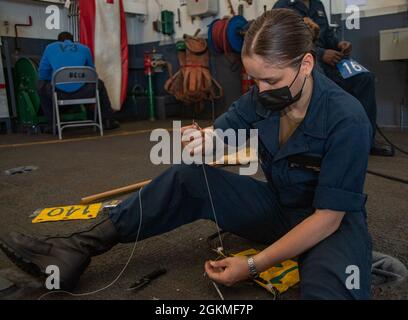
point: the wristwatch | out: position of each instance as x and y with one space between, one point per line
252 268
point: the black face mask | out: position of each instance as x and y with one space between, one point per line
277 100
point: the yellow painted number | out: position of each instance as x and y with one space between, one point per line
68 213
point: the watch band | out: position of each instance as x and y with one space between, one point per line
252 268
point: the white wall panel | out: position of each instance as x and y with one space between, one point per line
18 12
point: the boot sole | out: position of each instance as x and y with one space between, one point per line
22 263
33 269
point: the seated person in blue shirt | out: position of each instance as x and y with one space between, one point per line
331 51
314 143
66 53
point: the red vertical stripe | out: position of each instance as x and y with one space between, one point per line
125 53
87 37
87 23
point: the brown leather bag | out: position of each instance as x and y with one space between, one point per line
193 83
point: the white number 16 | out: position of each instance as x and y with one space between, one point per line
357 67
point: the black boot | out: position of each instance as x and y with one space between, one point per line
71 254
110 124
382 150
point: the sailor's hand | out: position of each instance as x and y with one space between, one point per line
228 272
194 139
190 134
345 47
332 57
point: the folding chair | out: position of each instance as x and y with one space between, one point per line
70 75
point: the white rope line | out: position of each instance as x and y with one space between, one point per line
220 250
120 274
213 209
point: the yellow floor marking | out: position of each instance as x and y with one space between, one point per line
68 213
127 133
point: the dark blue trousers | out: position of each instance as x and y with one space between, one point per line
248 208
362 87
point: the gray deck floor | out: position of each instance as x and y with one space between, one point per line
79 167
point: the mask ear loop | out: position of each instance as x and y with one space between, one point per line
287 110
300 67
290 108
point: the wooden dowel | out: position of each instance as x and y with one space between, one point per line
115 192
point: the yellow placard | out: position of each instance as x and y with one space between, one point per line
280 277
68 213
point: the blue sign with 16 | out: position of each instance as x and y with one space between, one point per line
350 68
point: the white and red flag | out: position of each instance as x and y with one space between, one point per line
103 30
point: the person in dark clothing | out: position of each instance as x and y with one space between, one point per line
66 53
315 212
330 51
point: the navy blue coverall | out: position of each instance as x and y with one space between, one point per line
361 86
336 132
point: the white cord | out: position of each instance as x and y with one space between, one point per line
213 209
221 249
120 274
136 242
218 290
